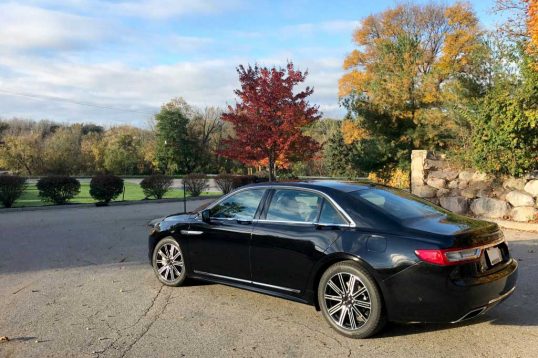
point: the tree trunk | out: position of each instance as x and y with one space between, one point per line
271 167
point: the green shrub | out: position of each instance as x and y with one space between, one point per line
105 187
156 185
195 183
11 188
58 189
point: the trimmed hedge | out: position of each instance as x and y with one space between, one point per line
105 187
156 185
11 188
196 183
58 189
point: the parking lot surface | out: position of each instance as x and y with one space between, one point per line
75 282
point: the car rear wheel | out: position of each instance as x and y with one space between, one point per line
350 300
168 262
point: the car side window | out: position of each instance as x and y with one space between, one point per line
329 215
240 206
294 205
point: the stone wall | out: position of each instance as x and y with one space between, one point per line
473 193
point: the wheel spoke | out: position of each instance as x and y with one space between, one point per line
176 271
171 251
335 309
178 263
162 269
352 321
335 288
359 314
362 304
359 292
342 284
162 253
351 285
160 262
174 258
343 313
172 272
333 298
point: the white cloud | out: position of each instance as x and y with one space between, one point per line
31 28
189 43
330 27
141 89
170 8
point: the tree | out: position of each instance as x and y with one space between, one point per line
22 153
175 149
413 61
62 153
270 118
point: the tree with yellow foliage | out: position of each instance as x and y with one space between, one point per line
411 62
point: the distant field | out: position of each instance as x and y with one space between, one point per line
132 192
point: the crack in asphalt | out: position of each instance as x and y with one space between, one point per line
142 316
148 327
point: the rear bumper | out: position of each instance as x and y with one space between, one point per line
426 293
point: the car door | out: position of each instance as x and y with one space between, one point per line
221 247
294 229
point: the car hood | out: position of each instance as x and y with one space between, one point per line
174 218
455 230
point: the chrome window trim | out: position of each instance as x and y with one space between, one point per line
327 197
247 281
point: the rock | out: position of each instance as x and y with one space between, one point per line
453 184
436 183
514 184
444 174
434 200
469 193
425 191
462 184
466 175
418 158
455 192
499 193
524 213
531 175
479 177
532 187
443 192
456 204
519 198
484 193
482 184
435 164
490 208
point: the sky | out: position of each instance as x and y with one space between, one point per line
117 62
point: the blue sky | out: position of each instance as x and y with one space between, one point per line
120 60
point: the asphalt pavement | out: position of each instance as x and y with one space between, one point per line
75 282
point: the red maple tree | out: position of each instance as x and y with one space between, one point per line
269 118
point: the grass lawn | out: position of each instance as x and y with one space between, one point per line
30 197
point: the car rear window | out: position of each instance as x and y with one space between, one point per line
397 203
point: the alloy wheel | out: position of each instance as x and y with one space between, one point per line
169 262
347 300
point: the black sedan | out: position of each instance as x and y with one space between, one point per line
361 253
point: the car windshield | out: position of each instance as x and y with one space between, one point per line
397 203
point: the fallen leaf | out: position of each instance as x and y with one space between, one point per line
4 339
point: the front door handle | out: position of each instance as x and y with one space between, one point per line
191 232
244 222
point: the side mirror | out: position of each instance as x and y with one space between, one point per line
206 215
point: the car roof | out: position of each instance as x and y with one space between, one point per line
323 185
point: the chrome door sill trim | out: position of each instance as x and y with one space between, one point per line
248 281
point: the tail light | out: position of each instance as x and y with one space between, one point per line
446 257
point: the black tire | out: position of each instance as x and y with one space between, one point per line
367 321
169 271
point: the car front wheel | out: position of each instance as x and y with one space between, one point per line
168 262
350 300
